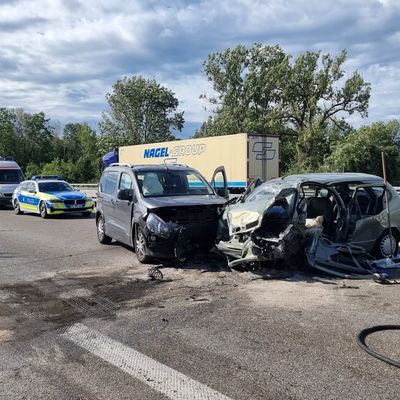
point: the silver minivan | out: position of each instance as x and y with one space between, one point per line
10 177
163 211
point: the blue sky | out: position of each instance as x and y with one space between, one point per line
63 56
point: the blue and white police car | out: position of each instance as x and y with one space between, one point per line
49 195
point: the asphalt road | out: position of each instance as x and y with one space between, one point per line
79 320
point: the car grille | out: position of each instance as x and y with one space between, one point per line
73 202
189 215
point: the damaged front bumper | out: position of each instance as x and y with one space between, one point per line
172 240
257 248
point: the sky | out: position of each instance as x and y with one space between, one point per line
62 56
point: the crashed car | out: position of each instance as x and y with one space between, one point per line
164 211
337 218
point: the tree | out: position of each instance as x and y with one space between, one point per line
140 111
36 138
259 89
9 142
361 150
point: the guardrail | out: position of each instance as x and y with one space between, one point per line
89 188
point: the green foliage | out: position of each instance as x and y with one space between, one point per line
140 111
38 150
36 138
9 142
260 89
31 170
361 150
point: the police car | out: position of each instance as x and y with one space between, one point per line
49 195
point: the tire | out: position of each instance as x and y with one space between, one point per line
43 209
17 208
382 245
101 231
140 246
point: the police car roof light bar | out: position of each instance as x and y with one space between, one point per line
43 177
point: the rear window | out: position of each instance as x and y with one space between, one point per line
172 183
11 176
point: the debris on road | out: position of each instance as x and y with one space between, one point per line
155 274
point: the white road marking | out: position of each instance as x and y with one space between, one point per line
159 377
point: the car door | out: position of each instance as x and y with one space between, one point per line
123 208
106 198
367 211
28 198
219 182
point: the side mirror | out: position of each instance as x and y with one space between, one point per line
125 194
221 191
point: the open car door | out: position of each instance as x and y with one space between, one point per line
219 182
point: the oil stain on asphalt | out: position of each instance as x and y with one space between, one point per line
53 304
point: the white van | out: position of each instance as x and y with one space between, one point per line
10 177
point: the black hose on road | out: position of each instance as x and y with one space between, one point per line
379 328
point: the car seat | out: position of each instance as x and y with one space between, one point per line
152 186
322 206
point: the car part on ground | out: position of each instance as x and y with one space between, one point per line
338 219
155 274
361 341
349 261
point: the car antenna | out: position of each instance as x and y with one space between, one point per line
171 160
387 204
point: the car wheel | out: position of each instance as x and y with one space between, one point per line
43 209
140 246
17 208
382 246
101 231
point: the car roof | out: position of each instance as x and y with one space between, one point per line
153 167
44 181
329 178
9 164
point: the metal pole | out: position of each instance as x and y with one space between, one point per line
387 204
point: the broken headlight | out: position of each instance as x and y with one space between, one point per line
157 226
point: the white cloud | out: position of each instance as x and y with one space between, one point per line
61 57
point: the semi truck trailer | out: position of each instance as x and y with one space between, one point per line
244 156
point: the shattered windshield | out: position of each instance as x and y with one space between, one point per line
268 191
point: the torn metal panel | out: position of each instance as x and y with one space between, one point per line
349 261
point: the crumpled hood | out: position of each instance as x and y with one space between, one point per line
244 217
181 201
